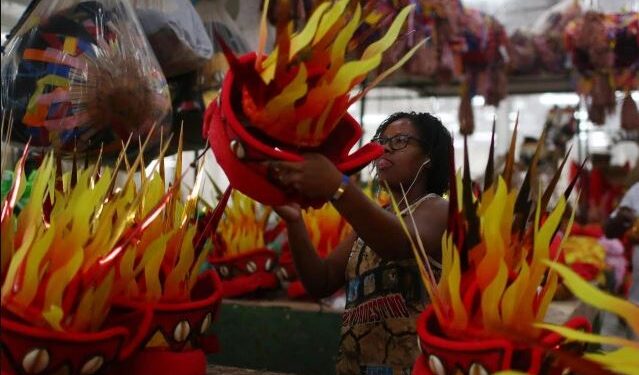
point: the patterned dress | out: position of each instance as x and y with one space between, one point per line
383 300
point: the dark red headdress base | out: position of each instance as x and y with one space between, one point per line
246 273
184 326
154 361
479 356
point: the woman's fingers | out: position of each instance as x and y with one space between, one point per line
290 178
289 165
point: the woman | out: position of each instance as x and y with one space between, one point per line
383 288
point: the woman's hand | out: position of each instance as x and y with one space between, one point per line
290 213
315 177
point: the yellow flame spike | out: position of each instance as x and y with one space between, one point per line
506 225
174 283
82 318
294 91
262 35
460 316
491 223
352 72
269 71
547 230
53 316
146 252
17 261
101 301
322 119
338 49
622 361
302 40
577 335
33 265
152 267
491 297
387 72
126 284
191 202
597 298
329 19
391 35
61 278
33 211
511 297
6 245
154 193
547 293
543 236
447 264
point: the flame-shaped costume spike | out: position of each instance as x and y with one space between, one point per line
295 99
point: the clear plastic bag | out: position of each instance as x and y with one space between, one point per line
80 75
217 21
176 34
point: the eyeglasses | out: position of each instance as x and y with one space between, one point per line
396 142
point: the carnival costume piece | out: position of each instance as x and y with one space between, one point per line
79 76
604 48
497 282
97 278
241 256
326 229
294 100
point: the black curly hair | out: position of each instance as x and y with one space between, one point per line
435 141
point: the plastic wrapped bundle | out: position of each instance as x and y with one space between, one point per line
549 30
485 57
176 34
592 36
443 20
425 61
81 75
521 49
218 22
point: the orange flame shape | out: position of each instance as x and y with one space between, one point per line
307 80
42 281
326 228
243 226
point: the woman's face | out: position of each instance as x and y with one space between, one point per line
403 155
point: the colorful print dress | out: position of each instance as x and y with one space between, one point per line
383 300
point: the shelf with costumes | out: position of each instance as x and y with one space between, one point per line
469 54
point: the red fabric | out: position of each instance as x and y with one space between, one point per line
241 279
597 191
205 299
588 230
64 348
247 284
296 290
587 271
492 354
164 362
554 248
